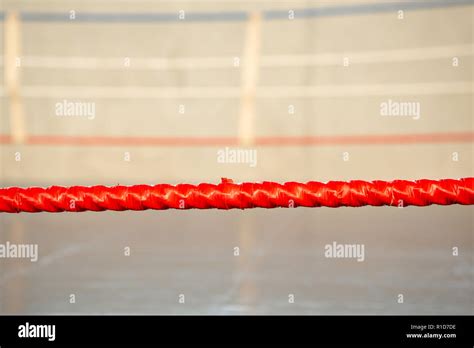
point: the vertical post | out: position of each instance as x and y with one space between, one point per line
249 79
12 302
12 63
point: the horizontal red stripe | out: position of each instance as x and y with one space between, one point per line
366 139
375 139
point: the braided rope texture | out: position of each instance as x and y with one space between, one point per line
228 195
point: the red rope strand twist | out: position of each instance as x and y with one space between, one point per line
228 195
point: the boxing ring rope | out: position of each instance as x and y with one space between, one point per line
228 195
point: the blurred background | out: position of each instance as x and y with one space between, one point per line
145 92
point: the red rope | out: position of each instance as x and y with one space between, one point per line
228 195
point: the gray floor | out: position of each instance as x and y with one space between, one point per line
407 251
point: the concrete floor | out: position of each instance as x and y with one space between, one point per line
407 251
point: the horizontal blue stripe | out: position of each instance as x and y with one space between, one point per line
133 17
108 17
364 9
